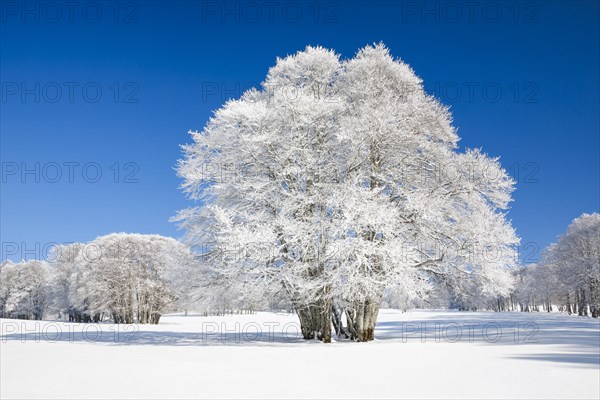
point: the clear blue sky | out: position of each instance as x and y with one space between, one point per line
90 85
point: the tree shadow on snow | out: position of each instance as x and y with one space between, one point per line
113 334
580 337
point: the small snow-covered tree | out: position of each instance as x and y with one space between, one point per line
7 281
574 264
568 273
338 179
24 292
127 276
65 260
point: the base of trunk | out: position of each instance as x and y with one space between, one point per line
362 319
315 321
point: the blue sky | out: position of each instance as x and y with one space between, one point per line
113 88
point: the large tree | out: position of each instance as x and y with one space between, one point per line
339 178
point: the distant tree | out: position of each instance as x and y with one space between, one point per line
575 261
128 277
65 261
568 273
7 280
24 289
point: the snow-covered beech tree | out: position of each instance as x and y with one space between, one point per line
577 259
24 289
126 276
538 288
199 288
269 219
568 274
338 179
7 273
65 260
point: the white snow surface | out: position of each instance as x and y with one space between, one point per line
224 357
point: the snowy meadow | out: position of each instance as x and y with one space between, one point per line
417 354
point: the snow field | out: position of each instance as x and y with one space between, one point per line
418 354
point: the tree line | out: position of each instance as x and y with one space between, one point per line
122 277
567 278
128 278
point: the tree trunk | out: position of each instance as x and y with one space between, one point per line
315 320
582 304
362 319
593 300
154 318
338 324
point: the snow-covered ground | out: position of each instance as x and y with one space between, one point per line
417 354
